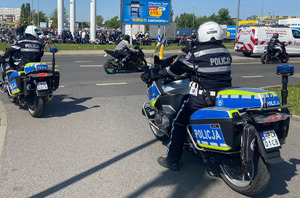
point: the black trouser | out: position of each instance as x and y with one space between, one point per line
179 133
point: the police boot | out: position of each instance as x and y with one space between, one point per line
167 162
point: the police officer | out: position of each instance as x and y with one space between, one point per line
209 67
24 51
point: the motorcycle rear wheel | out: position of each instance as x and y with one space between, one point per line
251 182
36 109
265 58
109 68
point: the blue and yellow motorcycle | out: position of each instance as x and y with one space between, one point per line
242 133
33 86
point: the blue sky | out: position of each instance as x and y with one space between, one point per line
111 8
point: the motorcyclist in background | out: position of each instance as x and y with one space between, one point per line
124 49
274 41
209 68
22 52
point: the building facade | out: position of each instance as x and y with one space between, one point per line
10 14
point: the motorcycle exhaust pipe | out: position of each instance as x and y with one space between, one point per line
49 97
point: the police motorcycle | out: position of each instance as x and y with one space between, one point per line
135 63
268 57
33 86
241 135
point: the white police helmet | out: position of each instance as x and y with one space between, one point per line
209 32
33 31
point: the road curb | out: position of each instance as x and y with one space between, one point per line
3 126
295 118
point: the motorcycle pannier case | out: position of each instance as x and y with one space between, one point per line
56 77
216 128
16 82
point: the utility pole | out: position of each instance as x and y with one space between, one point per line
237 19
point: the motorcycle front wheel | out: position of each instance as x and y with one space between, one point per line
285 58
158 133
250 180
36 108
141 62
109 68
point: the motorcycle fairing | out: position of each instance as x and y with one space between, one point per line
240 98
39 66
153 93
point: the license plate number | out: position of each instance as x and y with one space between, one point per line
42 86
270 139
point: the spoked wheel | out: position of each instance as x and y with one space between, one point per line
36 108
249 180
159 133
109 68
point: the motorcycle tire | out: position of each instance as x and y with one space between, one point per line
285 58
265 58
141 62
159 134
109 68
251 182
11 99
36 109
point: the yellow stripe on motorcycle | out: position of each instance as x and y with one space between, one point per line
153 102
15 92
215 147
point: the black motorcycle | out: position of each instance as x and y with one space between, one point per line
279 55
136 61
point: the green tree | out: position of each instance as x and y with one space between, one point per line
53 17
39 17
99 20
224 17
25 13
185 20
113 23
252 18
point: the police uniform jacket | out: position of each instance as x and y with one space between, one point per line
31 51
211 68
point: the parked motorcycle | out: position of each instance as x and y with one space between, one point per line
240 136
135 63
268 57
33 86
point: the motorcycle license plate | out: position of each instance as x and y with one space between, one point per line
42 86
269 139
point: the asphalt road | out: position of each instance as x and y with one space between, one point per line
92 140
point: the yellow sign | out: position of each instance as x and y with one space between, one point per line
247 22
155 13
228 34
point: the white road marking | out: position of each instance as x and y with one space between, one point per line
296 76
83 61
257 76
61 86
103 84
91 65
